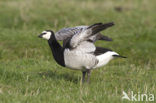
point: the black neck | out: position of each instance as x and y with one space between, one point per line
57 50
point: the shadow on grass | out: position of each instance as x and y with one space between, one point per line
57 76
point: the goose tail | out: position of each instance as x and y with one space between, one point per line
119 56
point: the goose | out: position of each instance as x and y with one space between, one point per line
65 33
80 53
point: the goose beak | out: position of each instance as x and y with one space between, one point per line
40 36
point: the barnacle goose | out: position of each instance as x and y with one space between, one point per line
65 33
78 52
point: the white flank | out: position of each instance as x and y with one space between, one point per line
78 60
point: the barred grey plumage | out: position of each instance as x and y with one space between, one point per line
65 33
68 32
88 32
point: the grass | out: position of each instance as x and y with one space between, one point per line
29 74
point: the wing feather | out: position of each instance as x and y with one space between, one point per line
68 32
86 33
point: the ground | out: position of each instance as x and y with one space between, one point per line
29 74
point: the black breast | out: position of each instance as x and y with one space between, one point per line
57 51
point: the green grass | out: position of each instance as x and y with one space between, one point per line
29 74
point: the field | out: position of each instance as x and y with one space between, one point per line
29 74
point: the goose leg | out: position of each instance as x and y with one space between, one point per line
83 76
88 75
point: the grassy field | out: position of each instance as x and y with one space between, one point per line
29 74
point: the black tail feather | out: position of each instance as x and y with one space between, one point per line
119 56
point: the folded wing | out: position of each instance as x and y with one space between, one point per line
90 31
65 33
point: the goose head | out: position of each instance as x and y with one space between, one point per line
47 34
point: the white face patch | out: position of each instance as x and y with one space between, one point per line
46 35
